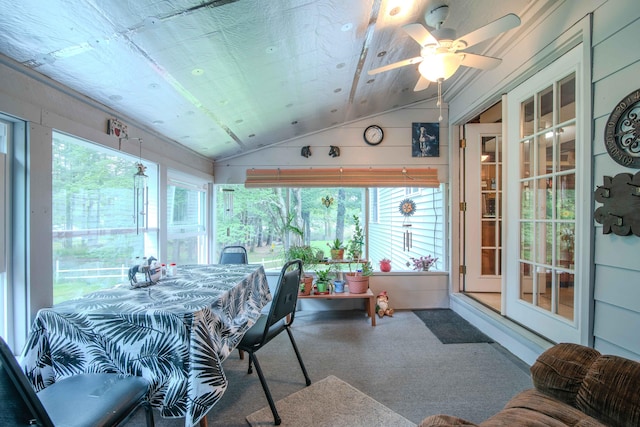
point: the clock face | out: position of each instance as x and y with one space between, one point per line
373 135
622 131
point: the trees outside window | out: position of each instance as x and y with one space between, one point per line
268 221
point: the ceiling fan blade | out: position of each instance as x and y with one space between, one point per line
492 29
399 64
420 34
422 84
480 61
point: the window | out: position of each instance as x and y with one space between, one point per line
268 220
4 204
186 220
95 235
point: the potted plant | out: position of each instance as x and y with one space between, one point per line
357 240
359 281
424 263
309 260
337 249
385 265
323 280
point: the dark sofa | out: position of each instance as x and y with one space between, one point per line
574 386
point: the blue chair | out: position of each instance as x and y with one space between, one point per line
234 254
270 325
79 401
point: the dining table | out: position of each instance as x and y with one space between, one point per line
175 333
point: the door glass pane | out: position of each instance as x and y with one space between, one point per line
566 197
526 240
543 200
567 148
545 286
526 282
567 98
566 295
565 239
526 156
545 109
526 200
546 152
526 115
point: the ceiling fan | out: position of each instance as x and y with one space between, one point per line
442 53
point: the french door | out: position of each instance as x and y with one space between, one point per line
545 189
483 217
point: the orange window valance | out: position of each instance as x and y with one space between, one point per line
342 177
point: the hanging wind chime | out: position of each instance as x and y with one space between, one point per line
227 206
140 193
407 208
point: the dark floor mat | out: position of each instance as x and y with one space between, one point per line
450 328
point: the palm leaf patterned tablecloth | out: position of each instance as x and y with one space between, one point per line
175 333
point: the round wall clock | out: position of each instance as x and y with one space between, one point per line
407 207
373 135
622 131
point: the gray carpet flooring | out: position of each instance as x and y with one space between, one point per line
400 363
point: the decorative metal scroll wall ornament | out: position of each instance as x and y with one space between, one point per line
622 131
620 212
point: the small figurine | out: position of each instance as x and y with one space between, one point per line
382 305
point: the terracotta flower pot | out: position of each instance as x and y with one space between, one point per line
306 285
337 254
358 284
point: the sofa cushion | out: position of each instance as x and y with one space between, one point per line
559 371
442 420
611 391
546 409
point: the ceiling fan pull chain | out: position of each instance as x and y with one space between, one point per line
440 98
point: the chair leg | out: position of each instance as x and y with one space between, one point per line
241 354
148 411
265 387
295 348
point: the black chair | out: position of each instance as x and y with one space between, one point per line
234 255
82 400
279 318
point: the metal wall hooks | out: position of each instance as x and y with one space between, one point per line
620 210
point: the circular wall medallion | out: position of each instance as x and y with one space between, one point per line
622 131
407 207
373 135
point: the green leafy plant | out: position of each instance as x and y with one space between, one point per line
323 276
357 240
336 245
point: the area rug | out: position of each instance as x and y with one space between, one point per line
329 402
450 328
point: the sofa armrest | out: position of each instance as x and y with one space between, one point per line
441 420
559 371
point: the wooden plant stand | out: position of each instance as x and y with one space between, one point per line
370 304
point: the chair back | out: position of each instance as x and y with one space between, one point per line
286 294
19 404
234 255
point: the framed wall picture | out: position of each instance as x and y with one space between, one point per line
425 140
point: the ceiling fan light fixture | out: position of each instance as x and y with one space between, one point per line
440 66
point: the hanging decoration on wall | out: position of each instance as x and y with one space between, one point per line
117 128
620 210
140 192
407 208
622 131
327 201
425 140
306 151
334 151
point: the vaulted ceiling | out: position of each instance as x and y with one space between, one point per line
224 77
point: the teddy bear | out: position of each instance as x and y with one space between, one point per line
382 305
